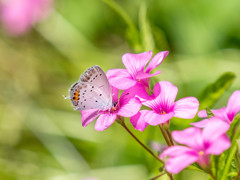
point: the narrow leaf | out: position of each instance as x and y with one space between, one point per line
213 164
221 164
132 33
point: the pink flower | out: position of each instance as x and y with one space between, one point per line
164 107
225 113
135 71
199 145
19 15
125 106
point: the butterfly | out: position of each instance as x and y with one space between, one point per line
92 91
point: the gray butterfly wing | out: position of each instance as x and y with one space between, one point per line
93 91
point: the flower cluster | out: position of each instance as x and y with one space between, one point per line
145 106
134 80
198 146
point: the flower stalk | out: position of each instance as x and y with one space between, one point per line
166 136
211 174
170 136
156 177
122 123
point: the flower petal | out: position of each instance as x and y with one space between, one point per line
191 137
180 158
88 116
214 129
129 105
233 106
200 124
135 63
219 145
165 94
177 164
186 108
138 121
168 92
120 78
174 151
156 60
143 75
153 118
139 91
104 121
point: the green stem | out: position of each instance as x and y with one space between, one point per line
211 174
168 141
170 176
231 154
156 177
122 123
144 146
120 12
237 159
165 135
170 136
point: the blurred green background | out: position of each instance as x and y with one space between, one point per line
41 136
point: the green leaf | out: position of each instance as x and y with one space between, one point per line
214 91
145 30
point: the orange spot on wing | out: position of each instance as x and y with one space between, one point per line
76 96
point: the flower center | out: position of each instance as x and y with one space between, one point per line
163 109
162 112
201 153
